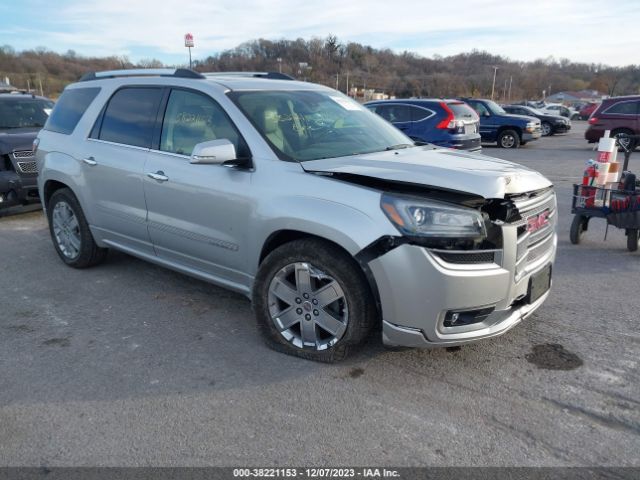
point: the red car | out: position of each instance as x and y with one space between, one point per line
587 110
619 115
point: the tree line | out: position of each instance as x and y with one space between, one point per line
338 64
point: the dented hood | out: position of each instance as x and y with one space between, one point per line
439 168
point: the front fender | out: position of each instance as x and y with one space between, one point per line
347 226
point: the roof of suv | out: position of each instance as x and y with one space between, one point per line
229 80
21 96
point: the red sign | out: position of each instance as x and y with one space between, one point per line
188 40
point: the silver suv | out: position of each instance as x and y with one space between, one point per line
331 220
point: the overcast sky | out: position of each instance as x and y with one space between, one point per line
581 30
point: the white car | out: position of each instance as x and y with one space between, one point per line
559 109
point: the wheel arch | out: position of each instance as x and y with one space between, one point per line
284 236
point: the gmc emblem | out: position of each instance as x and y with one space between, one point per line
537 222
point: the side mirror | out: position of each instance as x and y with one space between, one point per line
213 152
486 114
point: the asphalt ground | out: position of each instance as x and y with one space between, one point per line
129 364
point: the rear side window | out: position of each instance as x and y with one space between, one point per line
69 109
394 113
418 114
130 116
623 108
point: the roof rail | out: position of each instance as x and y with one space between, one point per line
268 75
142 72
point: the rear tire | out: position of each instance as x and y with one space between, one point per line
288 299
509 139
70 231
632 143
577 229
632 239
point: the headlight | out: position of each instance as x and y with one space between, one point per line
531 127
425 218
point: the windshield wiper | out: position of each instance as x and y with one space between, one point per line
399 146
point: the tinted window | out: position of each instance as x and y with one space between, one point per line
130 116
69 109
480 108
418 114
192 118
624 108
394 113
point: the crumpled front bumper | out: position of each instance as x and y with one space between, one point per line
16 189
417 289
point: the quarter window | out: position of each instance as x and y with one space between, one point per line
130 116
623 108
191 118
419 114
69 109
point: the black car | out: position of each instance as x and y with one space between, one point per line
21 117
550 124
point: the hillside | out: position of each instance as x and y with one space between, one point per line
329 61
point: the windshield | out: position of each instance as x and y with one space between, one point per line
494 107
24 112
309 125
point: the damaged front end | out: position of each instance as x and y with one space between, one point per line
18 178
462 266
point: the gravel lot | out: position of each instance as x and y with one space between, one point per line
130 364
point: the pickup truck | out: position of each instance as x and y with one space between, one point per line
498 126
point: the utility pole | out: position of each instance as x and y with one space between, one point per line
348 83
493 85
337 80
279 60
510 81
40 82
504 90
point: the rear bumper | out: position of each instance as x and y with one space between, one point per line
593 135
419 291
468 144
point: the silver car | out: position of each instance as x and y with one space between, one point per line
332 221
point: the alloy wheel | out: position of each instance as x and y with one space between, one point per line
307 306
508 141
66 230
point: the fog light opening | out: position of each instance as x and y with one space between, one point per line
457 318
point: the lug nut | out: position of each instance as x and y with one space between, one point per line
305 295
316 313
307 316
299 311
314 301
298 300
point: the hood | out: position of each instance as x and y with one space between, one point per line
442 169
17 139
524 118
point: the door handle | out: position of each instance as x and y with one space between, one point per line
90 161
159 176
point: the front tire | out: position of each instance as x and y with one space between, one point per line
311 300
70 232
547 130
508 139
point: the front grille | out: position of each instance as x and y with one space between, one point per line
23 154
535 239
28 167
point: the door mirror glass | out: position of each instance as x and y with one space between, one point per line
213 152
